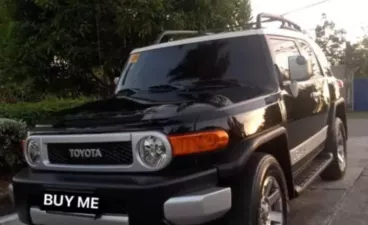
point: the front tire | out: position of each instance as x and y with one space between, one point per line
260 194
336 170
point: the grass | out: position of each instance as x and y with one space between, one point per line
358 115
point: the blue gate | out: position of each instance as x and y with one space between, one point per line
360 90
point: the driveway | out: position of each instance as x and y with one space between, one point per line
327 203
342 202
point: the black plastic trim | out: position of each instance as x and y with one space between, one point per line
244 150
332 117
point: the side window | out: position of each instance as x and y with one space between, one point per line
326 67
308 52
282 49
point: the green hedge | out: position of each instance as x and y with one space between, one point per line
11 134
31 112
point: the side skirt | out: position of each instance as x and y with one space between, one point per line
306 148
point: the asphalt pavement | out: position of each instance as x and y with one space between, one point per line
339 202
326 203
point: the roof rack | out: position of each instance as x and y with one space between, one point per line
180 32
285 24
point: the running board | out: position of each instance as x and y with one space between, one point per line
311 172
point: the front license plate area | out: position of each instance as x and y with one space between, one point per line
70 202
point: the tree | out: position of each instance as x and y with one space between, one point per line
331 40
69 47
359 57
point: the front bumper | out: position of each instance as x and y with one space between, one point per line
129 199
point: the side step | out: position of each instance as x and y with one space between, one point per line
311 172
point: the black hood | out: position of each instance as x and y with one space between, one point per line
125 110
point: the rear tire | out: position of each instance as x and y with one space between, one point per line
259 196
336 170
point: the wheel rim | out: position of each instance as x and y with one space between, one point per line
271 208
341 151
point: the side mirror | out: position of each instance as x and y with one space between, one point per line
116 80
300 68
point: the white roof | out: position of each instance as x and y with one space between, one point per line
268 31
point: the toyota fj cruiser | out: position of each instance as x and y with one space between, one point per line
213 128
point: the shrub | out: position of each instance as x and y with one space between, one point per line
12 132
31 113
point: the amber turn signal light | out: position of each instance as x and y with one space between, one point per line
198 142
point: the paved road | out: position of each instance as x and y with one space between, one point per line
328 203
342 202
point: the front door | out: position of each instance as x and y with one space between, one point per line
304 112
320 92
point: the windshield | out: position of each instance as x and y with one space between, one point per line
238 59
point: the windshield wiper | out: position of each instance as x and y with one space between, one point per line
165 88
209 84
198 85
127 91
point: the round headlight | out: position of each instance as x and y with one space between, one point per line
33 152
152 151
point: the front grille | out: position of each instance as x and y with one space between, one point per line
112 153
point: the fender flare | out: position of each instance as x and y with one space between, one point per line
332 117
244 150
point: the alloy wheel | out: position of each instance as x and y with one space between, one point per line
341 156
271 207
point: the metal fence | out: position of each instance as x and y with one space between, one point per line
360 94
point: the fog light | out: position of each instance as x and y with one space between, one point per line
33 152
152 151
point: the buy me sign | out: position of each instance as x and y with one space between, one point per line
71 201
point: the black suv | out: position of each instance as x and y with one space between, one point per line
218 128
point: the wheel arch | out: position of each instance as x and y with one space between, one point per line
278 148
341 113
338 110
275 143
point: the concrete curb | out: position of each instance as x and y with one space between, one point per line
9 214
8 218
